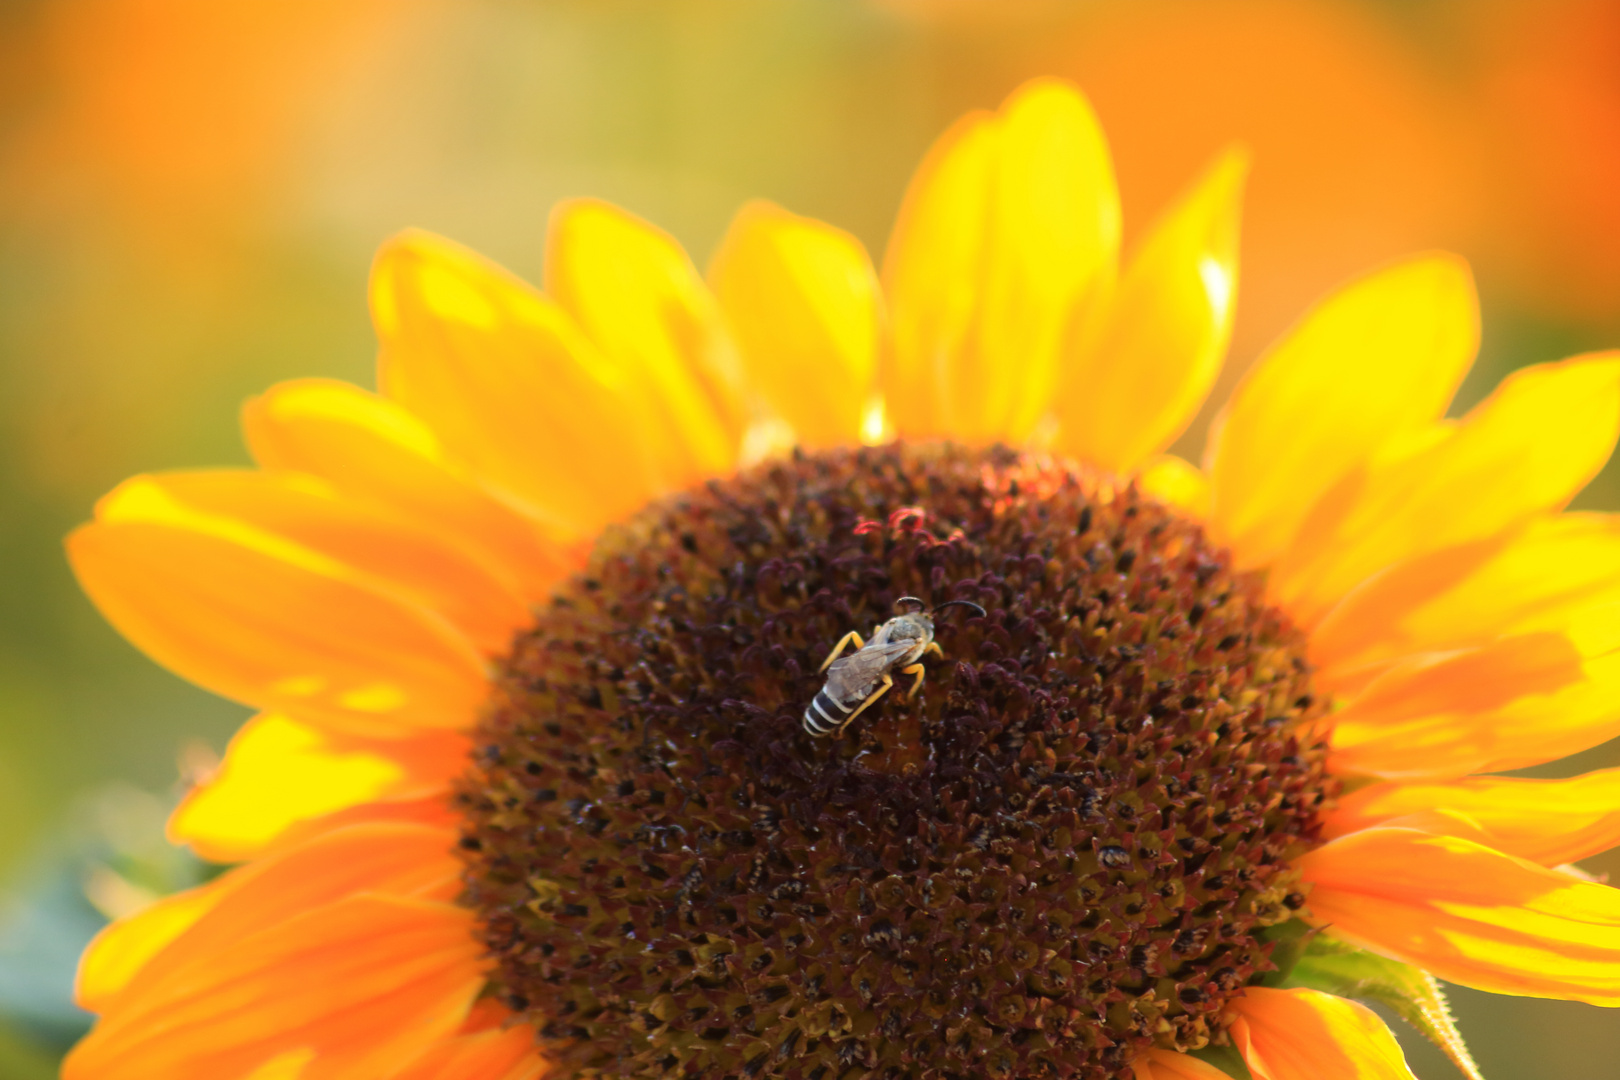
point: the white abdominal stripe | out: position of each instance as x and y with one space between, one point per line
819 719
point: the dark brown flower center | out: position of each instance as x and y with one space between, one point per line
1062 851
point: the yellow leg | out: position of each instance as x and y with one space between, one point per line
883 688
933 647
838 648
915 670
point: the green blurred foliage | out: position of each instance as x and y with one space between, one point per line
190 193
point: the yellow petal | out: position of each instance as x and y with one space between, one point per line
378 454
1522 452
278 772
1468 914
1128 391
1308 1035
1380 356
633 291
1465 596
189 927
365 985
1515 702
803 301
270 622
1550 822
397 556
1010 223
1158 1064
1176 483
510 387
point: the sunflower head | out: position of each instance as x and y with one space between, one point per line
1065 849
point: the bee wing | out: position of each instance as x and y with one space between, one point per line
860 670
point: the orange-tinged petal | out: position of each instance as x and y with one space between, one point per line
279 771
510 386
1011 222
187 928
1417 717
116 954
1176 483
1464 596
269 622
497 1054
1469 914
633 291
1381 355
365 985
394 555
803 302
375 452
1525 450
288 1065
1132 388
1308 1035
1167 1065
1550 822
1519 701
434 811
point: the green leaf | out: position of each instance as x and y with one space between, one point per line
1226 1059
1336 967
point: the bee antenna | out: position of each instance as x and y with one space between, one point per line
961 603
910 600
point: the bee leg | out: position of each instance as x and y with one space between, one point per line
933 647
883 688
838 648
916 671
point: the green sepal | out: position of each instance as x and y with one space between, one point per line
1290 940
1333 966
1224 1058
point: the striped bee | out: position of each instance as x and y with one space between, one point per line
857 680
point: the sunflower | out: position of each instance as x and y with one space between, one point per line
1206 754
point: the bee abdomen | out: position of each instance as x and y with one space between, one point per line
825 714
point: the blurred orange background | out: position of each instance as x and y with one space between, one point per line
190 192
